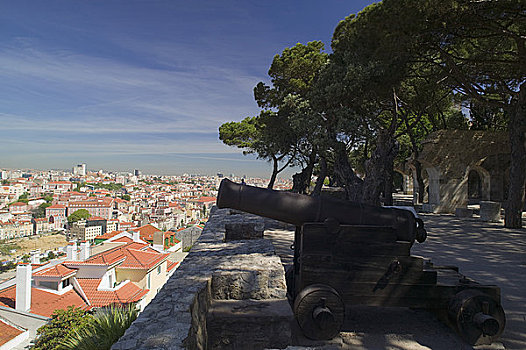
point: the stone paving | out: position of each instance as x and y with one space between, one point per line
486 252
177 317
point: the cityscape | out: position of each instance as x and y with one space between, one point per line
56 225
232 175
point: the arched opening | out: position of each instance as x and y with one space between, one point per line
51 219
398 182
474 187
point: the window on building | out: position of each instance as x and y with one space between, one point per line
149 283
65 283
159 269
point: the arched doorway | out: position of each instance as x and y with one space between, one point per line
474 187
478 184
398 182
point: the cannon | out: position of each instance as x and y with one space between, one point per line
348 253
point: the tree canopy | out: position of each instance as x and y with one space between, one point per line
81 214
398 71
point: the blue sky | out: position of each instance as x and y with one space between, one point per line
142 84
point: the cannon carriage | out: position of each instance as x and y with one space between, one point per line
349 253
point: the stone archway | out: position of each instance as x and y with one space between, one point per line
478 184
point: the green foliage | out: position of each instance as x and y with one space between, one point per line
48 198
484 117
78 215
126 197
107 326
5 182
5 248
63 324
187 249
40 211
284 130
24 198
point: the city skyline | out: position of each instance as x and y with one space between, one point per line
124 85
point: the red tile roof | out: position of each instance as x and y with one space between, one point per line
128 293
123 240
171 265
109 235
58 270
56 206
137 259
95 218
8 332
44 303
107 258
206 199
146 232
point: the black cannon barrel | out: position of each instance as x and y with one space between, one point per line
297 209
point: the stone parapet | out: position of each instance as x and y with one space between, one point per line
216 281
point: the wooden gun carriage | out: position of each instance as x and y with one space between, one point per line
349 253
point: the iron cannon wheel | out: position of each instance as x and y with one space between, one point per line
478 318
320 312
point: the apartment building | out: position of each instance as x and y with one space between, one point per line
15 229
102 207
85 230
56 216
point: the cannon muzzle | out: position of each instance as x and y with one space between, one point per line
297 209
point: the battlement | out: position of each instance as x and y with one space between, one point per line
221 295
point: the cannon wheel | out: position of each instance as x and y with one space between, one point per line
320 312
478 318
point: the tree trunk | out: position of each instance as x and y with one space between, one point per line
517 128
301 180
419 179
274 173
381 160
388 185
321 177
345 175
420 182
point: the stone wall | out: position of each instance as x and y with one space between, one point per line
225 295
449 156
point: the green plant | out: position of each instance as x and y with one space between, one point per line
78 215
109 324
62 325
5 248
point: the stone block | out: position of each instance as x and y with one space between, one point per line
248 284
490 211
428 208
463 212
243 230
249 324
